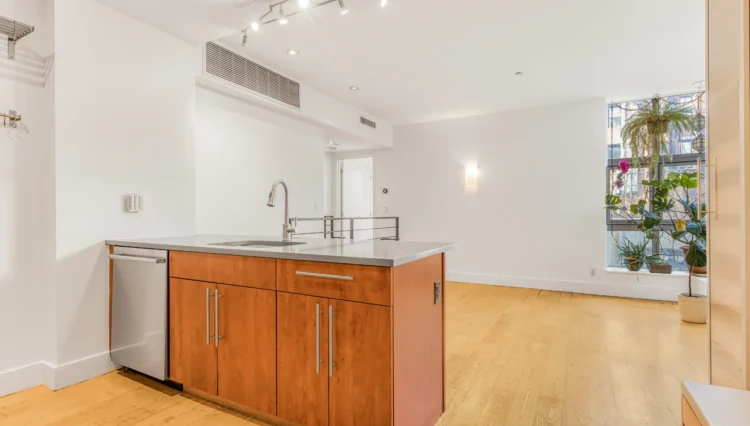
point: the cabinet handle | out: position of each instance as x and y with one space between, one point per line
216 317
208 316
317 338
330 341
333 277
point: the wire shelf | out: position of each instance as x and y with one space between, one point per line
14 30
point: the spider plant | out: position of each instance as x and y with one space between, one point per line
647 130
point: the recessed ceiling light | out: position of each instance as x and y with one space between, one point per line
383 3
303 4
519 73
354 88
255 26
292 52
332 143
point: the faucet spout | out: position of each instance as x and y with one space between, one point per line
287 230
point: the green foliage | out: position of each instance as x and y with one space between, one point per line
633 255
696 256
647 129
612 201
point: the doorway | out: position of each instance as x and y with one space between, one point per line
355 195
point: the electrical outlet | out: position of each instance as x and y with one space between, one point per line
593 272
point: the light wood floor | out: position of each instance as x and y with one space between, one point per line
515 357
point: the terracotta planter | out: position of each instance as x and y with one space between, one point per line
697 270
693 309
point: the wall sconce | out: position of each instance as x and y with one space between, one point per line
471 178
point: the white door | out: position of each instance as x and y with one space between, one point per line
356 196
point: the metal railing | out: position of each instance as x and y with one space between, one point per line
336 227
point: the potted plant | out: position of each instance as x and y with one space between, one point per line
684 225
633 255
647 130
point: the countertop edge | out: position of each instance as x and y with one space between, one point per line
387 263
716 405
688 395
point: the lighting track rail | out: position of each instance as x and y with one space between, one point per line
15 31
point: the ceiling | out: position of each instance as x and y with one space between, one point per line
425 60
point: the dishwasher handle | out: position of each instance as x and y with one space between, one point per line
134 258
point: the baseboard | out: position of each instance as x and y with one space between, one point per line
651 287
78 371
18 379
55 377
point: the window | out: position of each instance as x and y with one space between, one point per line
682 157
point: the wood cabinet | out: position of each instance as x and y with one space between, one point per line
334 362
303 359
192 355
237 364
360 382
311 344
246 357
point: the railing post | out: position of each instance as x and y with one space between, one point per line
398 234
351 228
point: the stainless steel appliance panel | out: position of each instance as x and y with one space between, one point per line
139 310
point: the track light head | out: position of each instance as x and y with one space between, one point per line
244 37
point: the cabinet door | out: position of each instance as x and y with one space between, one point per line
302 358
247 347
192 353
360 383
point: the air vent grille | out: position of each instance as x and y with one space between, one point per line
239 70
369 123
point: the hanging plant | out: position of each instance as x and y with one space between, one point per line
647 130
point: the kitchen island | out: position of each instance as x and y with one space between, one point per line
322 332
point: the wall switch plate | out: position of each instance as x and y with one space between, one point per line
133 203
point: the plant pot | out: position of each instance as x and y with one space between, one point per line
633 264
696 270
660 269
693 309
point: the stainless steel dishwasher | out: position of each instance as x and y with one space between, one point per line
139 310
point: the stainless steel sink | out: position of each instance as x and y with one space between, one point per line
257 244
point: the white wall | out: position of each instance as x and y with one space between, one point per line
536 220
27 204
125 96
241 150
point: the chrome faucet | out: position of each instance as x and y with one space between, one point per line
287 230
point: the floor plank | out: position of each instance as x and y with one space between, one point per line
514 357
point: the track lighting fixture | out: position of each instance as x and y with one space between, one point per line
276 12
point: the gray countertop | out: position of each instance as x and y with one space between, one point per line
354 252
717 406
